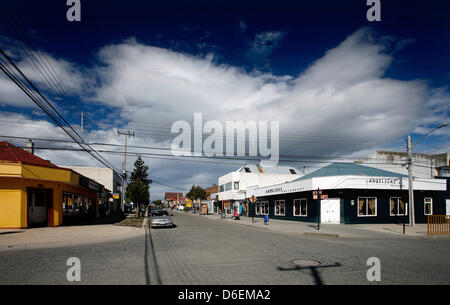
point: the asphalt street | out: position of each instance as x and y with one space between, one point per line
210 252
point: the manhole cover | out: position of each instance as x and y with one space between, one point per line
305 262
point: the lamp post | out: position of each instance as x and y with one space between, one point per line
410 174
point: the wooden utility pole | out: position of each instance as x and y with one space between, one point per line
124 164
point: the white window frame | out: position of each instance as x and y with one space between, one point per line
424 205
275 207
376 206
234 185
300 207
263 205
258 208
406 207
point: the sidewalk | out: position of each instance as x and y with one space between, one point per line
329 230
64 236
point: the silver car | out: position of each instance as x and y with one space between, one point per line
160 218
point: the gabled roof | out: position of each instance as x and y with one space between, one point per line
349 169
11 153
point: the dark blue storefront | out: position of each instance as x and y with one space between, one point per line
349 205
374 204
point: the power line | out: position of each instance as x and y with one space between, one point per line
39 99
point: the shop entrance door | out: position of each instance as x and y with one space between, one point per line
39 201
330 210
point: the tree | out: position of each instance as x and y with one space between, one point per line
197 193
158 203
137 190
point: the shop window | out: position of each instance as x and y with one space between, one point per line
367 206
397 207
279 207
262 208
428 206
300 207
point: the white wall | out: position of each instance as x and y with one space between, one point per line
247 180
103 176
391 161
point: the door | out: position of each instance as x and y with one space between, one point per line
330 210
39 201
447 206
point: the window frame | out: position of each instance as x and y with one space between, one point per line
300 207
263 206
234 185
425 204
376 206
390 210
275 207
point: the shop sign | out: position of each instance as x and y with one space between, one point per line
391 181
274 190
93 185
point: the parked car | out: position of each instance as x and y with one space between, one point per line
160 218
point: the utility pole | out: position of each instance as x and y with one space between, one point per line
410 184
409 148
124 164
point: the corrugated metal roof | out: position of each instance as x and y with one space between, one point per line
11 153
350 169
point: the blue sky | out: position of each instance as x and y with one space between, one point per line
338 84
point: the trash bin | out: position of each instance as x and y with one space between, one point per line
266 219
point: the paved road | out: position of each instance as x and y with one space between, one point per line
206 251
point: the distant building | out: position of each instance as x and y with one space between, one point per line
109 178
35 192
233 186
173 198
425 166
211 202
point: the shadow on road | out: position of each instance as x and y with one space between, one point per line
149 243
88 220
314 272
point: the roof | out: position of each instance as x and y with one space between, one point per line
285 170
11 153
350 169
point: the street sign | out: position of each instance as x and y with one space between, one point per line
322 197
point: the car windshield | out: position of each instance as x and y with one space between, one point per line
160 213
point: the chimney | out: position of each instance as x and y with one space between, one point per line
29 146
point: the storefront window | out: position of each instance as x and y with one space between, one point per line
300 207
279 207
428 206
397 207
262 208
367 206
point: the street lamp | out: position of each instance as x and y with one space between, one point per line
410 174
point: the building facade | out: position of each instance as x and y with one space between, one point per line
232 193
425 166
352 194
107 177
35 192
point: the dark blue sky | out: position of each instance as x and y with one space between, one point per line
310 27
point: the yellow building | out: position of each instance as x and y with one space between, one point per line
35 192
